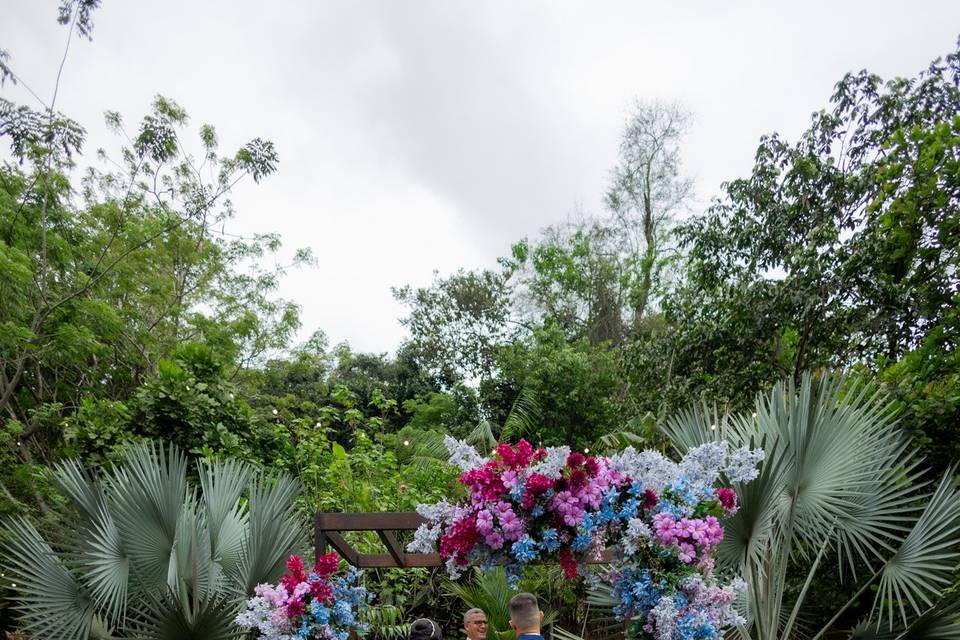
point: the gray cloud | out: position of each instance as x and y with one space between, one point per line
432 134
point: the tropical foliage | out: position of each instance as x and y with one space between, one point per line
147 554
131 313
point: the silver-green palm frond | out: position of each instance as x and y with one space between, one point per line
942 622
144 551
51 601
168 618
838 475
924 565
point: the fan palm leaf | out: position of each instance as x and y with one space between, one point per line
51 601
924 564
839 475
148 554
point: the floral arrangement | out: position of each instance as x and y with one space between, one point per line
307 606
656 521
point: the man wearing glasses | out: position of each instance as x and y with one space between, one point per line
476 625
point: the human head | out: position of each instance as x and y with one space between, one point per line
424 629
475 624
525 614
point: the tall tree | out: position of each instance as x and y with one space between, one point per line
647 191
457 322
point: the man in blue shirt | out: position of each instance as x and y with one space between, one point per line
525 616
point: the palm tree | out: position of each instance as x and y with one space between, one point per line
838 477
489 590
146 554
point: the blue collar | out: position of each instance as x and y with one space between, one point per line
529 636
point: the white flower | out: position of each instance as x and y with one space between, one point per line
664 618
650 468
434 512
453 569
462 455
553 463
702 465
742 466
633 538
425 539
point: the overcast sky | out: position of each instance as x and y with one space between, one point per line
416 136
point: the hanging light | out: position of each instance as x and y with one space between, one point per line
406 443
586 450
275 412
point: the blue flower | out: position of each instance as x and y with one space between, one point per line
549 540
343 613
524 549
320 613
696 627
636 592
581 542
513 571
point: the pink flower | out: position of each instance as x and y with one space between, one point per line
665 528
494 540
727 498
322 591
295 573
592 466
484 522
575 459
510 524
568 563
649 500
327 564
460 540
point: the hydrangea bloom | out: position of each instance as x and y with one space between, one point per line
307 606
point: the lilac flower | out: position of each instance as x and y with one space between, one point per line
553 463
462 455
742 466
648 468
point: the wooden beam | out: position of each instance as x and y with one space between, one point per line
386 561
393 547
343 547
385 520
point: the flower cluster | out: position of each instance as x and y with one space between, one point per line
525 504
307 606
658 520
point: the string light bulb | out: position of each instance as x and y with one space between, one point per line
406 443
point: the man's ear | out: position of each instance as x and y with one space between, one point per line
541 617
513 625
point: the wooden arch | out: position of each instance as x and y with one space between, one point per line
330 527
